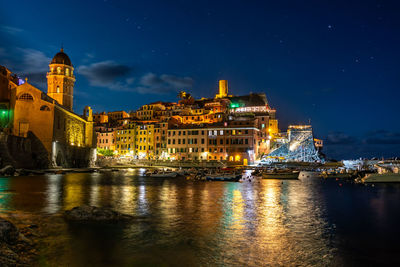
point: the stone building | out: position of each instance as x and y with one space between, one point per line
66 138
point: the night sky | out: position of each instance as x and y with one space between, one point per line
335 63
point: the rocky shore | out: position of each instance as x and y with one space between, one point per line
18 245
35 239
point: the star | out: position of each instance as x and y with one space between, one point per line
330 26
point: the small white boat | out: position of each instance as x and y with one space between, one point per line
381 178
309 174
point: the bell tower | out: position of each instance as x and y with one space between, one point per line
61 79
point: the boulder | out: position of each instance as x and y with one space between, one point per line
92 213
7 170
8 232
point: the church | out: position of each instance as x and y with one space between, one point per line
58 136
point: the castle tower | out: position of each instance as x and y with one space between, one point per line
223 89
61 79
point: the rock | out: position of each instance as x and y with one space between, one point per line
7 170
8 232
92 213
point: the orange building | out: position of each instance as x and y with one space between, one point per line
67 137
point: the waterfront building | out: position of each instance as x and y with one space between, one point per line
106 139
8 83
55 135
125 139
228 128
144 148
297 145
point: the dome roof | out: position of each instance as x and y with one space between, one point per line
61 58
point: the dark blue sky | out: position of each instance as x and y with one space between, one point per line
334 62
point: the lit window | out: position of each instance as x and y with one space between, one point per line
58 89
67 71
59 70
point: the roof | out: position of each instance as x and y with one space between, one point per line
61 58
250 100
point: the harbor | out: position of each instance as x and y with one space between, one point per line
206 222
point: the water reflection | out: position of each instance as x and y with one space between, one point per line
202 223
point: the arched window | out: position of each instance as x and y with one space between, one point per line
67 71
44 108
58 89
59 70
26 97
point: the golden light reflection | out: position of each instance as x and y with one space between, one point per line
53 193
237 210
73 191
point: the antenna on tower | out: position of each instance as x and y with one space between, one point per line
309 121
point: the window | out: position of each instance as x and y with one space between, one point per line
59 70
25 97
58 89
44 108
67 71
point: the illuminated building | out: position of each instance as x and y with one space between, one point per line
117 115
100 118
234 141
145 141
8 83
61 137
299 146
106 139
233 129
125 139
61 79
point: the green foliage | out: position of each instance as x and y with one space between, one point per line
105 152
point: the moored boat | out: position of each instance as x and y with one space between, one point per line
162 174
309 174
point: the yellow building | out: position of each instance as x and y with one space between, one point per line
125 140
145 141
67 137
223 89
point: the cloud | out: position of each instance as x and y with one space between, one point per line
152 83
103 73
382 137
339 138
26 62
114 76
10 29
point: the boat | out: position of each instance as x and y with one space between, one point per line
280 175
228 177
381 178
162 174
339 175
309 174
